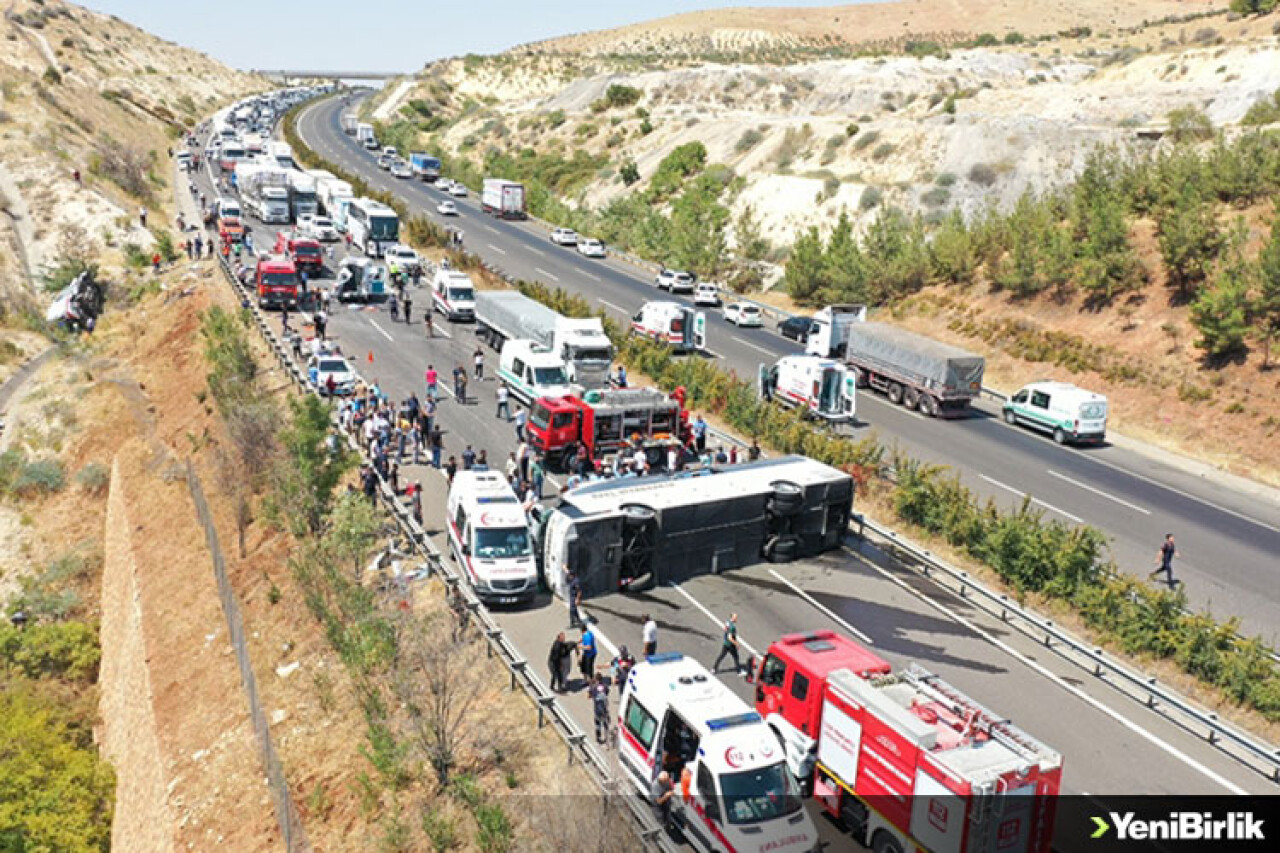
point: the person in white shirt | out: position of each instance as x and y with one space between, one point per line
650 635
639 461
673 458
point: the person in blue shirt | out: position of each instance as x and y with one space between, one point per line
587 651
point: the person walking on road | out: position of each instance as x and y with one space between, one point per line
587 654
520 420
504 403
729 645
408 307
433 379
436 440
599 693
649 634
428 320
460 383
1164 561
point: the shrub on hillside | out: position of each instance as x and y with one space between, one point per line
39 478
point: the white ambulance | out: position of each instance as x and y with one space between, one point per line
671 323
489 537
453 294
822 387
733 791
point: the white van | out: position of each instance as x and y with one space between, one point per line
1069 413
823 387
676 716
531 371
671 323
489 537
453 294
227 208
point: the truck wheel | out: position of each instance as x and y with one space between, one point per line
1010 418
912 398
1059 436
928 406
895 393
883 842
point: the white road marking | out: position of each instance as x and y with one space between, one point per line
823 609
537 251
489 228
606 303
496 249
712 353
384 332
1070 688
1035 501
551 276
1099 492
592 275
755 347
719 622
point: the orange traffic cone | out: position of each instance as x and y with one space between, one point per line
371 356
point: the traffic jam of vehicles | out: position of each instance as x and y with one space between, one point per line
901 759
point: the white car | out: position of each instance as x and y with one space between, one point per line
319 227
322 367
676 281
458 190
706 294
564 237
743 315
447 208
444 184
591 248
400 169
404 257
384 162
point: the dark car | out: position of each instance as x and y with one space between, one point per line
796 328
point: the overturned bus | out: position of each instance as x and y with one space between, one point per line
632 534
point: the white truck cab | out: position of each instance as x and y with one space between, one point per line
822 387
489 537
453 294
830 330
531 371
1068 413
673 324
733 790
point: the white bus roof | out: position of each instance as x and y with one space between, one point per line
373 207
699 487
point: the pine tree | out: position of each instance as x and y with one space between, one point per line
805 267
1266 308
844 267
1220 312
952 251
1189 239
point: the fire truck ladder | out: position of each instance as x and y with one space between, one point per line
1000 730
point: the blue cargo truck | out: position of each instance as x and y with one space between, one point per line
425 167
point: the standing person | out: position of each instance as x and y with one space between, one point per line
753 452
142 217
729 645
428 319
560 650
437 446
573 593
521 419
429 415
479 362
450 469
700 434
393 305
621 667
661 791
1164 561
504 404
536 475
468 458
433 378
587 654
649 634
599 693
460 383
408 307
155 262
416 499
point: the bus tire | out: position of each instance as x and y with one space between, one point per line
895 393
784 549
786 498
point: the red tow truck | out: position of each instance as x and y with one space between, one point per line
276 280
305 252
605 420
905 761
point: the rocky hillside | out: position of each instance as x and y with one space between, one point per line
82 90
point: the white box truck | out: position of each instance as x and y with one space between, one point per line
580 342
503 198
364 135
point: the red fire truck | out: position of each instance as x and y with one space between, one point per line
305 253
605 420
276 280
905 761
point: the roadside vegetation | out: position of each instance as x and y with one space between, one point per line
1037 558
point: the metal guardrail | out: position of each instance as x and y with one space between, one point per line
522 675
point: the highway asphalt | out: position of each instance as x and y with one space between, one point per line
1229 541
1110 744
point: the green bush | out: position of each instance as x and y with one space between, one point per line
94 478
749 139
64 650
39 478
494 831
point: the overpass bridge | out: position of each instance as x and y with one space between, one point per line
306 74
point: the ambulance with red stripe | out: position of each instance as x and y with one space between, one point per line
672 324
489 537
733 791
822 387
905 761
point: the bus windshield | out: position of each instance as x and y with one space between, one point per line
501 542
384 227
756 796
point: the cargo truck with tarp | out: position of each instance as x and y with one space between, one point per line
581 342
632 533
910 369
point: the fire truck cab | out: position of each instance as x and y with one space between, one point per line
605 420
305 252
733 791
276 280
906 761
